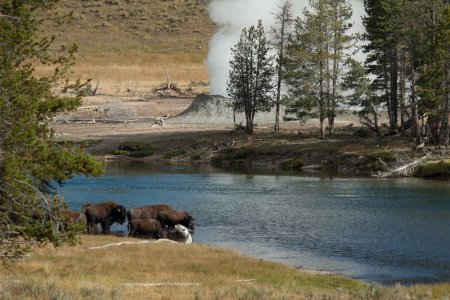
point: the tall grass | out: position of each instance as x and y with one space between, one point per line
82 273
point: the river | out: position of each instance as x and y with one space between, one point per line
377 230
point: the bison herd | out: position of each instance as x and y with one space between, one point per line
147 221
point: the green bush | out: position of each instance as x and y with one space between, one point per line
292 163
196 156
174 153
371 161
234 155
439 169
135 149
363 132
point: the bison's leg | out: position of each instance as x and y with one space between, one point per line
132 232
105 226
91 227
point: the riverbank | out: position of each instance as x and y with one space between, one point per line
126 125
218 144
178 271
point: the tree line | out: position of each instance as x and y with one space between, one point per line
405 74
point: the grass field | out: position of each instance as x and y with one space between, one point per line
135 43
178 271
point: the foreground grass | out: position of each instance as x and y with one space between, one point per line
83 273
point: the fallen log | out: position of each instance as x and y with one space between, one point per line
403 168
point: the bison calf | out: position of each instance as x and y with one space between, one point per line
145 228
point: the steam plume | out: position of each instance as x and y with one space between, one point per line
231 16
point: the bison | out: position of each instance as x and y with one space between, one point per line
145 228
147 212
105 213
68 217
172 218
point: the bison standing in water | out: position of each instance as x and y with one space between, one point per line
105 213
172 218
147 212
145 228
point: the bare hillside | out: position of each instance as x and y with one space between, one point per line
134 29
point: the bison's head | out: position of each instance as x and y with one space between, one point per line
188 221
120 214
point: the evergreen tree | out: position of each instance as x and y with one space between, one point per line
401 47
315 56
250 83
30 159
284 20
340 41
362 95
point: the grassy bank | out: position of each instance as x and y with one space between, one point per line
344 154
200 272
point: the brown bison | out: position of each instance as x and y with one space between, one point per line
145 228
147 212
68 217
172 218
105 213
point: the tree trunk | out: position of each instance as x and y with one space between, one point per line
386 90
402 91
394 91
280 76
447 96
415 113
321 100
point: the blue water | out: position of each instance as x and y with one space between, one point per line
383 230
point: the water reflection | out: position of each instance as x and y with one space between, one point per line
373 229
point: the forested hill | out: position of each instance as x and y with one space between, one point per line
141 27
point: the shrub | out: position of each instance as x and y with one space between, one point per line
371 162
135 149
439 169
292 163
174 153
363 132
233 155
196 156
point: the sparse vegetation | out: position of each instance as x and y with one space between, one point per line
372 162
174 153
234 156
196 156
440 169
292 164
135 149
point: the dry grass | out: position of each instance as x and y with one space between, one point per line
135 44
115 78
82 273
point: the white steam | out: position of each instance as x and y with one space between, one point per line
231 16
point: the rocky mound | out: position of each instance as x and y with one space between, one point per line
216 109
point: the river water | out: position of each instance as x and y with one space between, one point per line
377 230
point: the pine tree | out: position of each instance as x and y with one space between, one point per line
340 41
316 52
401 38
31 161
362 96
250 83
284 20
